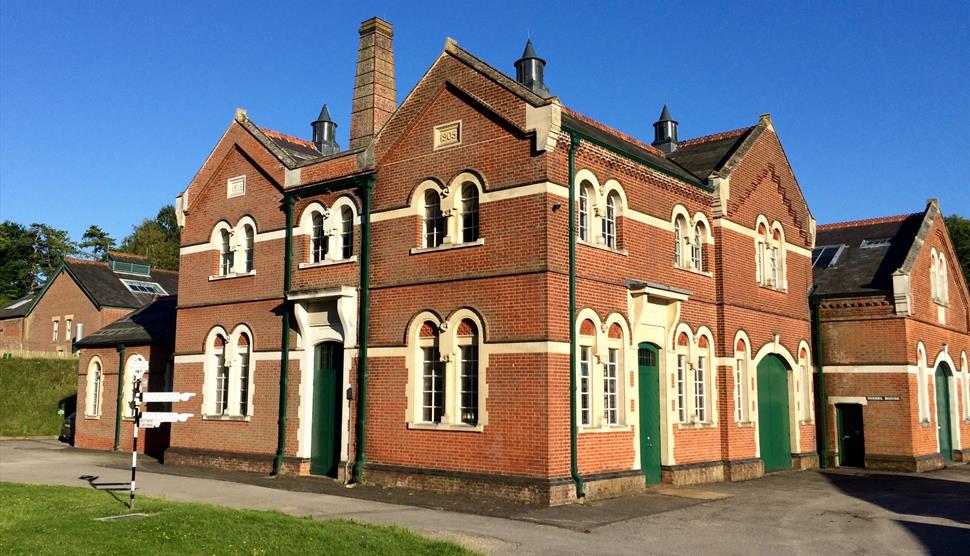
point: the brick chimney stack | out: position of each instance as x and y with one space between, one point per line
375 96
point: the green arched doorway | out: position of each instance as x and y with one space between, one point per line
943 412
327 405
773 415
648 357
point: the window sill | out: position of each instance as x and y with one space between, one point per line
744 424
459 427
230 276
806 422
447 246
695 271
697 425
240 418
942 303
602 247
605 428
772 288
92 417
328 262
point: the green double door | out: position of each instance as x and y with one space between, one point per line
648 357
773 415
943 414
327 405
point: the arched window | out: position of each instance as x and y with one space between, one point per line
683 343
587 342
95 388
585 210
432 374
467 340
609 221
225 253
934 281
243 349
434 220
741 358
680 228
944 288
248 247
761 251
346 233
922 388
702 380
805 372
696 249
469 213
613 377
318 239
221 375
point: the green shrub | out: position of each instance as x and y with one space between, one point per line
32 391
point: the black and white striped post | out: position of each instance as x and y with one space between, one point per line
136 411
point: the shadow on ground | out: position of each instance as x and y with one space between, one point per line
918 496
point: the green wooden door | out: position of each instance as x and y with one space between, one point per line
649 357
327 386
943 414
773 427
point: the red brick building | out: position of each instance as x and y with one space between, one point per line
894 325
409 308
79 298
104 419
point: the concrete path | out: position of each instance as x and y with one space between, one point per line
792 513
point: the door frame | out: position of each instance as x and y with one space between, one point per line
649 474
840 428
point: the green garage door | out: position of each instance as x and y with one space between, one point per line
773 427
943 414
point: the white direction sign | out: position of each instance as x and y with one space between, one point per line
166 397
151 419
138 367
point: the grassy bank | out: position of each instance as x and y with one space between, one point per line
62 520
30 393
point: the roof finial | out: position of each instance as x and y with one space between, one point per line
665 132
529 70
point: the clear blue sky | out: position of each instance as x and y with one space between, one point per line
108 110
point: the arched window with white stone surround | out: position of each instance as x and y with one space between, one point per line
742 361
225 252
922 385
585 216
346 232
95 388
469 212
609 220
228 368
318 238
434 220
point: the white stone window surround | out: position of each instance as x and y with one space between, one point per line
448 348
939 284
591 223
451 209
687 230
771 255
922 385
743 385
234 362
599 345
805 384
242 238
692 353
332 226
966 386
94 392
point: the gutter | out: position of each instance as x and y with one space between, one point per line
574 142
121 380
367 184
288 203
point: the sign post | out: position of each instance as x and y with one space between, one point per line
149 419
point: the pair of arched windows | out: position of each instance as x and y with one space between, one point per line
694 376
600 371
434 228
589 212
236 247
228 372
770 255
689 243
329 231
447 371
939 285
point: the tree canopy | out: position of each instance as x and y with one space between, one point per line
959 229
157 239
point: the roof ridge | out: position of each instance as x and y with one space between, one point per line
715 136
286 137
85 261
608 129
867 221
126 254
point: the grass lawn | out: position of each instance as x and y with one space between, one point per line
30 391
61 520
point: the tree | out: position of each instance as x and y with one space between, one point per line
51 245
98 241
16 254
157 239
959 229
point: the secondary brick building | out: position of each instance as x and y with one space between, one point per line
79 298
894 328
409 308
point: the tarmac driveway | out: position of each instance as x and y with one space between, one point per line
790 513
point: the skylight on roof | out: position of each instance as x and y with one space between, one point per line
876 242
826 256
19 303
136 286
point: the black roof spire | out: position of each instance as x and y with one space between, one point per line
665 132
664 114
325 114
529 70
324 132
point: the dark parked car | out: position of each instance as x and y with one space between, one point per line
67 429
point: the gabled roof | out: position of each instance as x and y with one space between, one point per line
18 307
706 155
152 323
865 270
